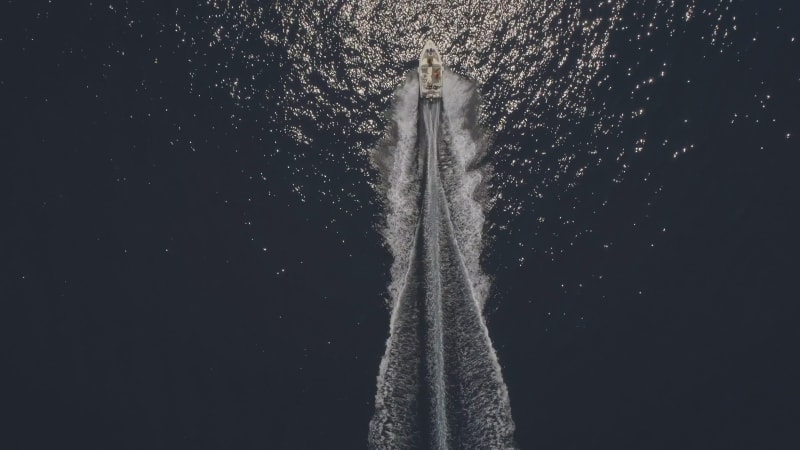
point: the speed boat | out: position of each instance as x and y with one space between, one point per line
430 71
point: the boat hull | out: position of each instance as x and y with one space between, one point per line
431 72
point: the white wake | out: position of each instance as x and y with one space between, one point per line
439 383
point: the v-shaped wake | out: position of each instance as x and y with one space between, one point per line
440 384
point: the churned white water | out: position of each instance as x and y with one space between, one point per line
439 383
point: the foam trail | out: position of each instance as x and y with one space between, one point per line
439 383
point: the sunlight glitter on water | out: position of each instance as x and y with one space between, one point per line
567 88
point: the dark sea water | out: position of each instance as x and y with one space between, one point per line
199 254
